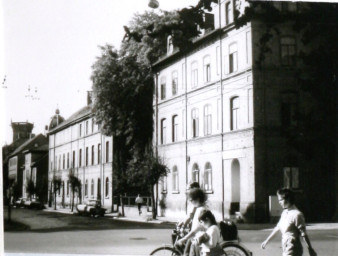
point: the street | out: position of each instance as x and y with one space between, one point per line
51 232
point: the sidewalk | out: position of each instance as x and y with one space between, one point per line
146 218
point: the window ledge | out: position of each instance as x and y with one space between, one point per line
176 192
164 192
209 191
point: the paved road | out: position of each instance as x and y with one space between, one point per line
62 233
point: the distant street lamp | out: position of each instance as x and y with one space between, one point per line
153 4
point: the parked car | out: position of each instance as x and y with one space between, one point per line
20 202
91 208
35 204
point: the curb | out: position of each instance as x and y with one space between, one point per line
240 226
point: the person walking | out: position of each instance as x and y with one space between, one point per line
291 225
139 202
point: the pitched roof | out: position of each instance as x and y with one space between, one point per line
73 118
27 144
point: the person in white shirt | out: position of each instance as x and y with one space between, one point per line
291 225
187 221
198 199
139 202
210 239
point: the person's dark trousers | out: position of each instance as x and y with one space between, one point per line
139 208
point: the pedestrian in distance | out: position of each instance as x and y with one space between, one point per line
139 202
291 225
210 239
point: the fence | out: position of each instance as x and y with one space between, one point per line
129 201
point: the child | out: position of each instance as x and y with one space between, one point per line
210 239
291 225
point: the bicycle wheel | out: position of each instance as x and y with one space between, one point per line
235 250
165 251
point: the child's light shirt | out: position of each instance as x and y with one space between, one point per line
215 238
292 223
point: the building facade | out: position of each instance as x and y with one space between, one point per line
220 118
77 147
36 172
19 168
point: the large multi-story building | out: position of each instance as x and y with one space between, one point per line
77 147
220 118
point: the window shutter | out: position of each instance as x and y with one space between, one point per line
226 64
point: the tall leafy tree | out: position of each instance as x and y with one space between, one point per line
123 88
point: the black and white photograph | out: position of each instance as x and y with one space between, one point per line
169 127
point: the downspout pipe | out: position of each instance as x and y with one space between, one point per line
222 114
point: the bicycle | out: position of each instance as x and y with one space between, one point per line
230 248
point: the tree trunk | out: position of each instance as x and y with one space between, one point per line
122 205
153 206
73 195
54 199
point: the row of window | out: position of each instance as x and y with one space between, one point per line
207 118
287 52
291 178
206 181
87 129
65 164
233 66
92 186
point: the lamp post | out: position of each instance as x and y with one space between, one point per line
153 4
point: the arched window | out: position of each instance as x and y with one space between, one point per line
93 154
98 188
175 178
233 58
194 74
86 188
234 115
170 46
194 122
99 153
206 69
195 173
80 157
107 151
174 83
163 131
207 120
107 187
174 128
207 177
67 160
63 161
163 88
87 156
92 188
68 187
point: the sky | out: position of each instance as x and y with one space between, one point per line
49 46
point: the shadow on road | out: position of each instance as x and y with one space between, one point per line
28 220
